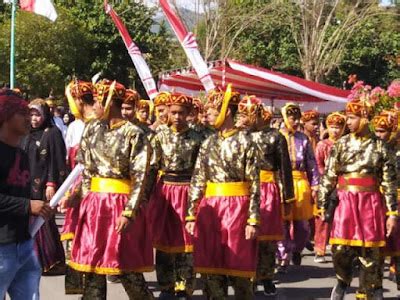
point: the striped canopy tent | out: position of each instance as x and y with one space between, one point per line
274 88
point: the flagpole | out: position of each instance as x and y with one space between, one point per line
12 44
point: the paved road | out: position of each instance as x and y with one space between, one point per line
309 281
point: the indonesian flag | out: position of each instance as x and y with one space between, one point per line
136 55
189 44
41 7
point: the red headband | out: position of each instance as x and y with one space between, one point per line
11 104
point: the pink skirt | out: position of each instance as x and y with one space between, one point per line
219 239
71 220
271 228
71 216
166 215
359 220
98 248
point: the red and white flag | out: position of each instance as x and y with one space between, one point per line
189 44
140 64
41 7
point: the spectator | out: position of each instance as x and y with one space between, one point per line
55 112
67 119
19 268
46 149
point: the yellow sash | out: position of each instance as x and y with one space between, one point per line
267 176
227 189
110 185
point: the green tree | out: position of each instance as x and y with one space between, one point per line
107 51
285 39
46 53
82 42
373 53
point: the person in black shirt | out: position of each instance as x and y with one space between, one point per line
19 268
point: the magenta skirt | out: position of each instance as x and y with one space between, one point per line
98 248
71 220
166 215
71 216
359 220
271 228
220 246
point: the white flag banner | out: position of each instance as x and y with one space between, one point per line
189 44
39 221
134 52
44 8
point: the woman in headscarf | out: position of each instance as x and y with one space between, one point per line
47 163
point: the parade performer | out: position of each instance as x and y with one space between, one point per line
111 237
276 179
310 121
175 149
385 127
80 100
310 125
305 178
143 111
161 110
129 106
336 123
46 150
224 205
195 121
195 111
358 165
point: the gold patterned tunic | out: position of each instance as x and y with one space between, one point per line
273 156
146 129
174 152
120 152
205 131
364 156
229 157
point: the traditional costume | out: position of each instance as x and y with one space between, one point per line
322 229
308 119
275 180
46 150
359 163
174 157
388 121
223 200
141 122
305 178
161 111
307 116
205 131
79 93
116 160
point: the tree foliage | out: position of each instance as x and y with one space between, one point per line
323 41
373 53
314 41
45 54
82 42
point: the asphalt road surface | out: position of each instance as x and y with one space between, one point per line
308 281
